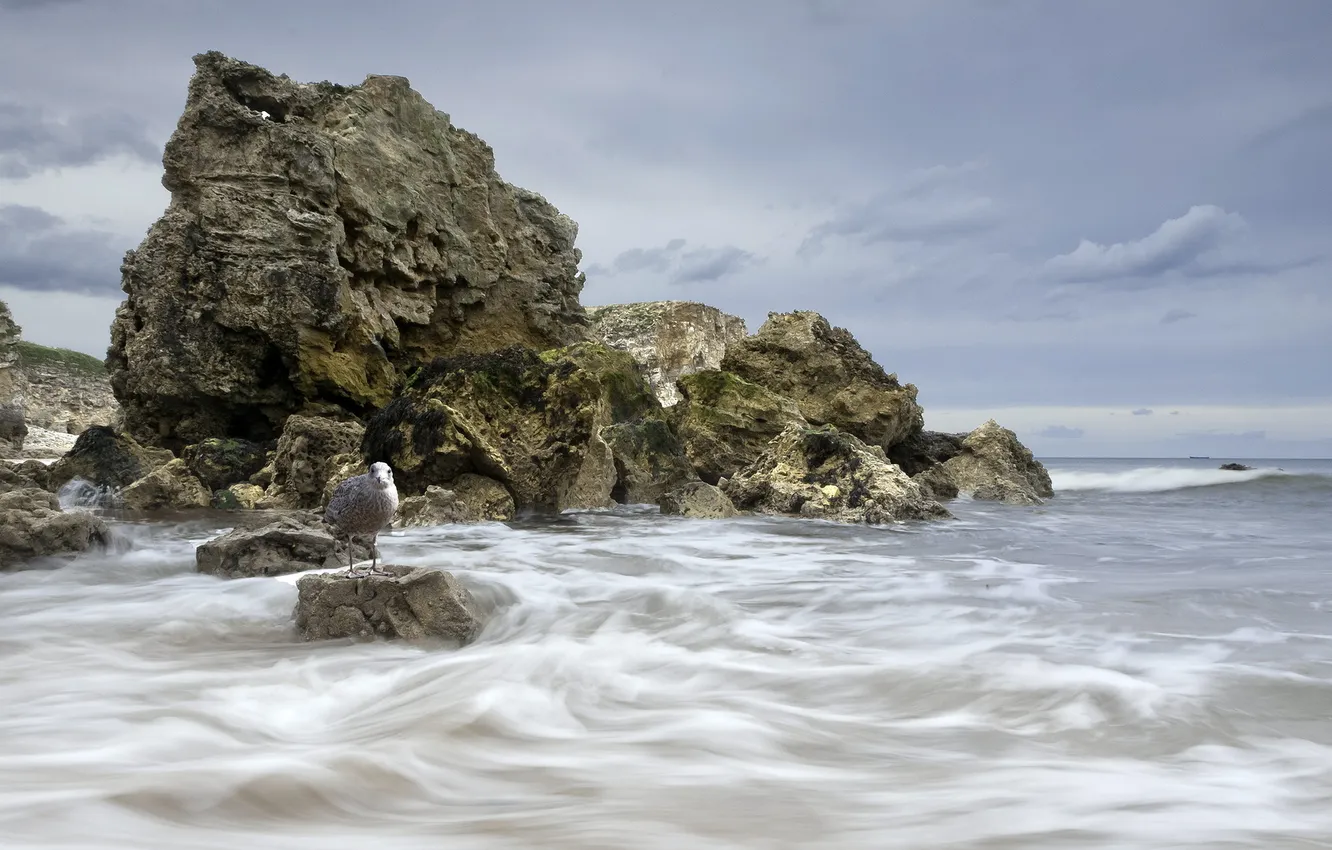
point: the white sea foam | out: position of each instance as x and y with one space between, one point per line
1153 479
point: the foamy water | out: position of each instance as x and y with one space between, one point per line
1125 667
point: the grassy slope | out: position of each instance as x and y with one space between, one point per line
32 354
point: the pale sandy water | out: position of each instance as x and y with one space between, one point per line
1145 662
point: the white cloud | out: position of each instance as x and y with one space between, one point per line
1174 246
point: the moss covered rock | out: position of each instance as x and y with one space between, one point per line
107 458
221 462
306 459
649 460
724 422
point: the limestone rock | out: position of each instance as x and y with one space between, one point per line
238 497
832 379
13 426
219 463
308 456
64 391
472 498
994 466
725 422
290 544
668 339
649 461
32 525
107 458
826 474
172 486
532 422
322 241
413 603
25 474
699 500
45 444
340 468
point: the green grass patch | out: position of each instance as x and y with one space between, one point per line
32 355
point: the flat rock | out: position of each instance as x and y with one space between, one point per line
412 603
470 498
994 466
699 500
33 525
290 544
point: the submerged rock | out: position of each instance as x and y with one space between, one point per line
321 242
831 378
1235 467
471 498
290 544
724 422
411 603
699 500
310 453
668 339
172 486
33 525
107 458
995 466
220 463
826 474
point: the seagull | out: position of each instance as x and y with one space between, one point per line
363 504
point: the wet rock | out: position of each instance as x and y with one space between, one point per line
25 474
925 450
724 422
172 486
826 474
830 377
649 461
321 242
699 500
667 339
33 525
530 421
290 544
995 466
107 458
471 498
308 456
238 497
219 463
1235 467
412 603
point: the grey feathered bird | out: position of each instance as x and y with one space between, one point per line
363 504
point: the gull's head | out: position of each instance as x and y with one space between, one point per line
381 474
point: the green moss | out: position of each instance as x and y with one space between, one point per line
33 355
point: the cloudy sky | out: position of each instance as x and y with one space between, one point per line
1106 223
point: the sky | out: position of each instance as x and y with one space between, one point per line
1104 224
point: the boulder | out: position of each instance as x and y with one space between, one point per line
25 474
471 498
925 450
724 422
1235 467
321 242
827 474
310 452
107 458
410 603
531 421
667 339
699 500
994 466
172 486
831 378
219 462
238 497
32 525
649 461
290 544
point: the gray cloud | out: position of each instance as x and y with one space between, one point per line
1177 315
39 252
1214 434
699 265
33 141
1176 245
1062 432
709 264
20 5
1143 411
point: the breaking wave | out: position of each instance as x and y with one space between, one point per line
1160 479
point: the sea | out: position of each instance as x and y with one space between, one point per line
1145 661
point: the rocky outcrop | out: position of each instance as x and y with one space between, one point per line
994 466
23 474
238 497
65 391
321 242
220 463
698 500
170 487
410 603
13 427
668 339
107 458
830 377
925 450
649 461
32 525
531 421
827 474
724 422
471 498
310 452
290 544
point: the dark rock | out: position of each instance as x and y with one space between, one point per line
725 422
1235 467
290 544
411 603
649 461
699 500
107 458
925 450
33 525
218 463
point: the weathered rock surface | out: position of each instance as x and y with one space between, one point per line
32 525
45 444
107 458
649 460
13 427
531 421
310 452
238 497
827 474
413 603
994 466
290 544
65 391
925 450
219 463
724 422
832 379
321 242
699 500
667 339
471 498
170 487
25 474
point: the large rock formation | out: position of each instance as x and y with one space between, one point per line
33 525
408 603
828 374
13 428
994 466
322 241
826 474
725 422
64 391
668 339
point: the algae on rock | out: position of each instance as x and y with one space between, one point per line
994 466
724 422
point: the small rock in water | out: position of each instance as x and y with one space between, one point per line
699 500
1235 467
409 603
32 525
292 544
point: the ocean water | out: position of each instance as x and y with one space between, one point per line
1143 662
